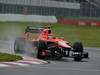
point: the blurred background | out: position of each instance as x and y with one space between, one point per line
58 8
60 13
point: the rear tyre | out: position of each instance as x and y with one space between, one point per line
18 45
56 53
41 46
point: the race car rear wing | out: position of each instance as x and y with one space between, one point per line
32 29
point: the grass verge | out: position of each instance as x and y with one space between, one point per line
4 57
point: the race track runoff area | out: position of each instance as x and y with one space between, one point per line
35 66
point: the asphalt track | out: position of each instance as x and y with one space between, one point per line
66 66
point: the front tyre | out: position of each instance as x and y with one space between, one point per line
78 47
77 51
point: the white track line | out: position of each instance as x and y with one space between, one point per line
19 64
3 65
34 59
29 62
13 64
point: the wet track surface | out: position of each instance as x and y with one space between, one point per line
66 66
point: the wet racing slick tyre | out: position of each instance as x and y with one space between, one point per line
78 47
78 50
56 53
18 45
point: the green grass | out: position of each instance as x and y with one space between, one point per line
11 30
4 57
90 36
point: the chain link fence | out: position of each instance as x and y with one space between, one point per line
49 7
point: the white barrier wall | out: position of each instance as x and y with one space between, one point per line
28 18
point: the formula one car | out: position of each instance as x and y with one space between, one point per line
48 46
